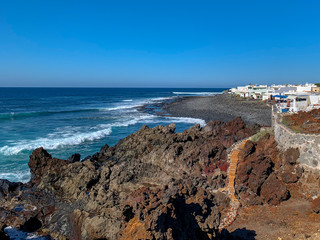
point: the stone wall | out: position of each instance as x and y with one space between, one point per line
308 144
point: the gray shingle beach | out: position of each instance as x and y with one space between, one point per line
223 107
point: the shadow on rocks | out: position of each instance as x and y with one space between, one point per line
238 234
182 222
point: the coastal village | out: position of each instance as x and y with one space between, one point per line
287 98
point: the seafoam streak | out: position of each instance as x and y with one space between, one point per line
69 138
196 93
60 139
54 143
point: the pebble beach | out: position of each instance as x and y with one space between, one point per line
223 107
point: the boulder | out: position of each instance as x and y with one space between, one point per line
274 191
289 173
256 181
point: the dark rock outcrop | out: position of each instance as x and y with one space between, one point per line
7 188
41 163
3 235
154 184
74 158
257 179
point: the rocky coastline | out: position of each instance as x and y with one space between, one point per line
162 184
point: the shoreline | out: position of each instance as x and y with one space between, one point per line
221 107
164 170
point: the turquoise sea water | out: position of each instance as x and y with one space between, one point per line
76 120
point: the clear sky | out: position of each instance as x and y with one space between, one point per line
158 43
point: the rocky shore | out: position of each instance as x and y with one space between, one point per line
222 107
159 184
154 184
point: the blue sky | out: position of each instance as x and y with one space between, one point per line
158 43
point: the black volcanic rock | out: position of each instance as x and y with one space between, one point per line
154 184
7 187
3 235
74 158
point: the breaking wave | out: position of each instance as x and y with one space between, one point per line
135 104
71 138
20 176
54 143
196 93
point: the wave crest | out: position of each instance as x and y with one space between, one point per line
196 93
59 138
54 143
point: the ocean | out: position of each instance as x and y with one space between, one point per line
77 120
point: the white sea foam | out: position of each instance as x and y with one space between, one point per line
69 136
135 104
196 93
160 99
178 120
187 120
20 176
54 143
127 100
132 120
121 107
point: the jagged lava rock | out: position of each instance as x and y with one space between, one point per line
155 183
256 180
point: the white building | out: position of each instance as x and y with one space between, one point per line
293 97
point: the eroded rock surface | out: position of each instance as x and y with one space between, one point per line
264 172
154 184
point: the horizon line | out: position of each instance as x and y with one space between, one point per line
116 87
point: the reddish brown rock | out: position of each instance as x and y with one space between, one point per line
254 167
308 122
259 165
273 191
